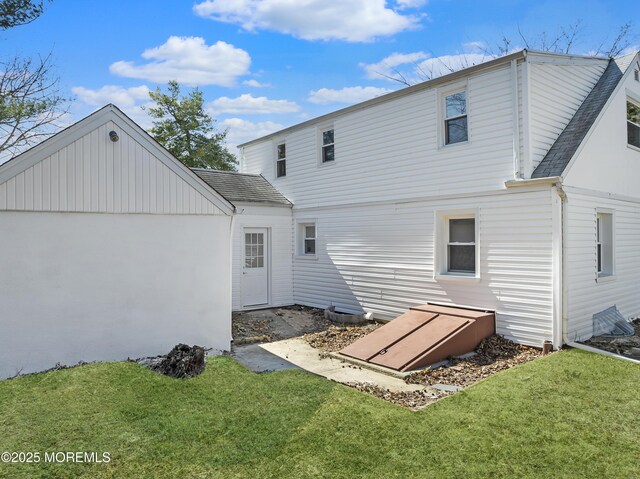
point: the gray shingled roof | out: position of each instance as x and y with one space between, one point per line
561 152
242 188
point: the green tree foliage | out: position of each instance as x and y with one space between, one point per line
183 127
19 12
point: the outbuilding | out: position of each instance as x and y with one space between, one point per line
109 248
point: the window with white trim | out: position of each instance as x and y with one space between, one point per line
307 235
604 244
328 145
281 160
633 123
455 118
461 246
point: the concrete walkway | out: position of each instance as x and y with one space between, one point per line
297 351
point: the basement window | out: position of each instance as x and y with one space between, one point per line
633 123
604 244
455 118
281 160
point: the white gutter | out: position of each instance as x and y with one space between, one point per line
558 215
517 173
584 347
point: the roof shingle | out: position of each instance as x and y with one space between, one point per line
242 188
568 142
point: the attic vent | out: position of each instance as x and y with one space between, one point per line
636 75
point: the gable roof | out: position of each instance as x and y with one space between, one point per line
242 188
570 139
110 112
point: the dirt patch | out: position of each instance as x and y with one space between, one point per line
274 324
494 354
335 338
409 399
624 345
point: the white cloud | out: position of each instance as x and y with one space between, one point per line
249 104
188 60
349 20
241 131
404 4
354 94
388 66
119 96
256 84
419 66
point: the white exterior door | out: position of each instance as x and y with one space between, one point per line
255 271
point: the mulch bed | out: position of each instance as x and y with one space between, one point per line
335 338
494 354
409 399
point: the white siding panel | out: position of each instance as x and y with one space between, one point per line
391 150
279 222
380 258
585 295
556 93
96 175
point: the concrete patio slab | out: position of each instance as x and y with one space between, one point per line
298 352
259 360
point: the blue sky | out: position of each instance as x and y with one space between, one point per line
267 64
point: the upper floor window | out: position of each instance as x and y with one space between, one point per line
455 118
281 160
328 147
633 123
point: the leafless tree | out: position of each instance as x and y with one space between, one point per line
31 104
565 40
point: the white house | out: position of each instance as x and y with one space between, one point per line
511 185
109 248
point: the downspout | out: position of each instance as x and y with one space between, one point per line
559 266
517 170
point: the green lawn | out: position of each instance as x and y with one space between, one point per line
572 414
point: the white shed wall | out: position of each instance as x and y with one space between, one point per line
380 258
85 287
94 174
278 220
585 294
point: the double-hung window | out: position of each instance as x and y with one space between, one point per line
307 235
461 246
633 123
281 160
328 146
455 118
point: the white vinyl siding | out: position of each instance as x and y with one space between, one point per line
586 294
280 227
556 92
380 258
95 175
402 133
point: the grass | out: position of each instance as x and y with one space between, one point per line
572 414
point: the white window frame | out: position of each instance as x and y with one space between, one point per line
636 102
320 141
441 108
278 159
606 273
441 247
301 226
